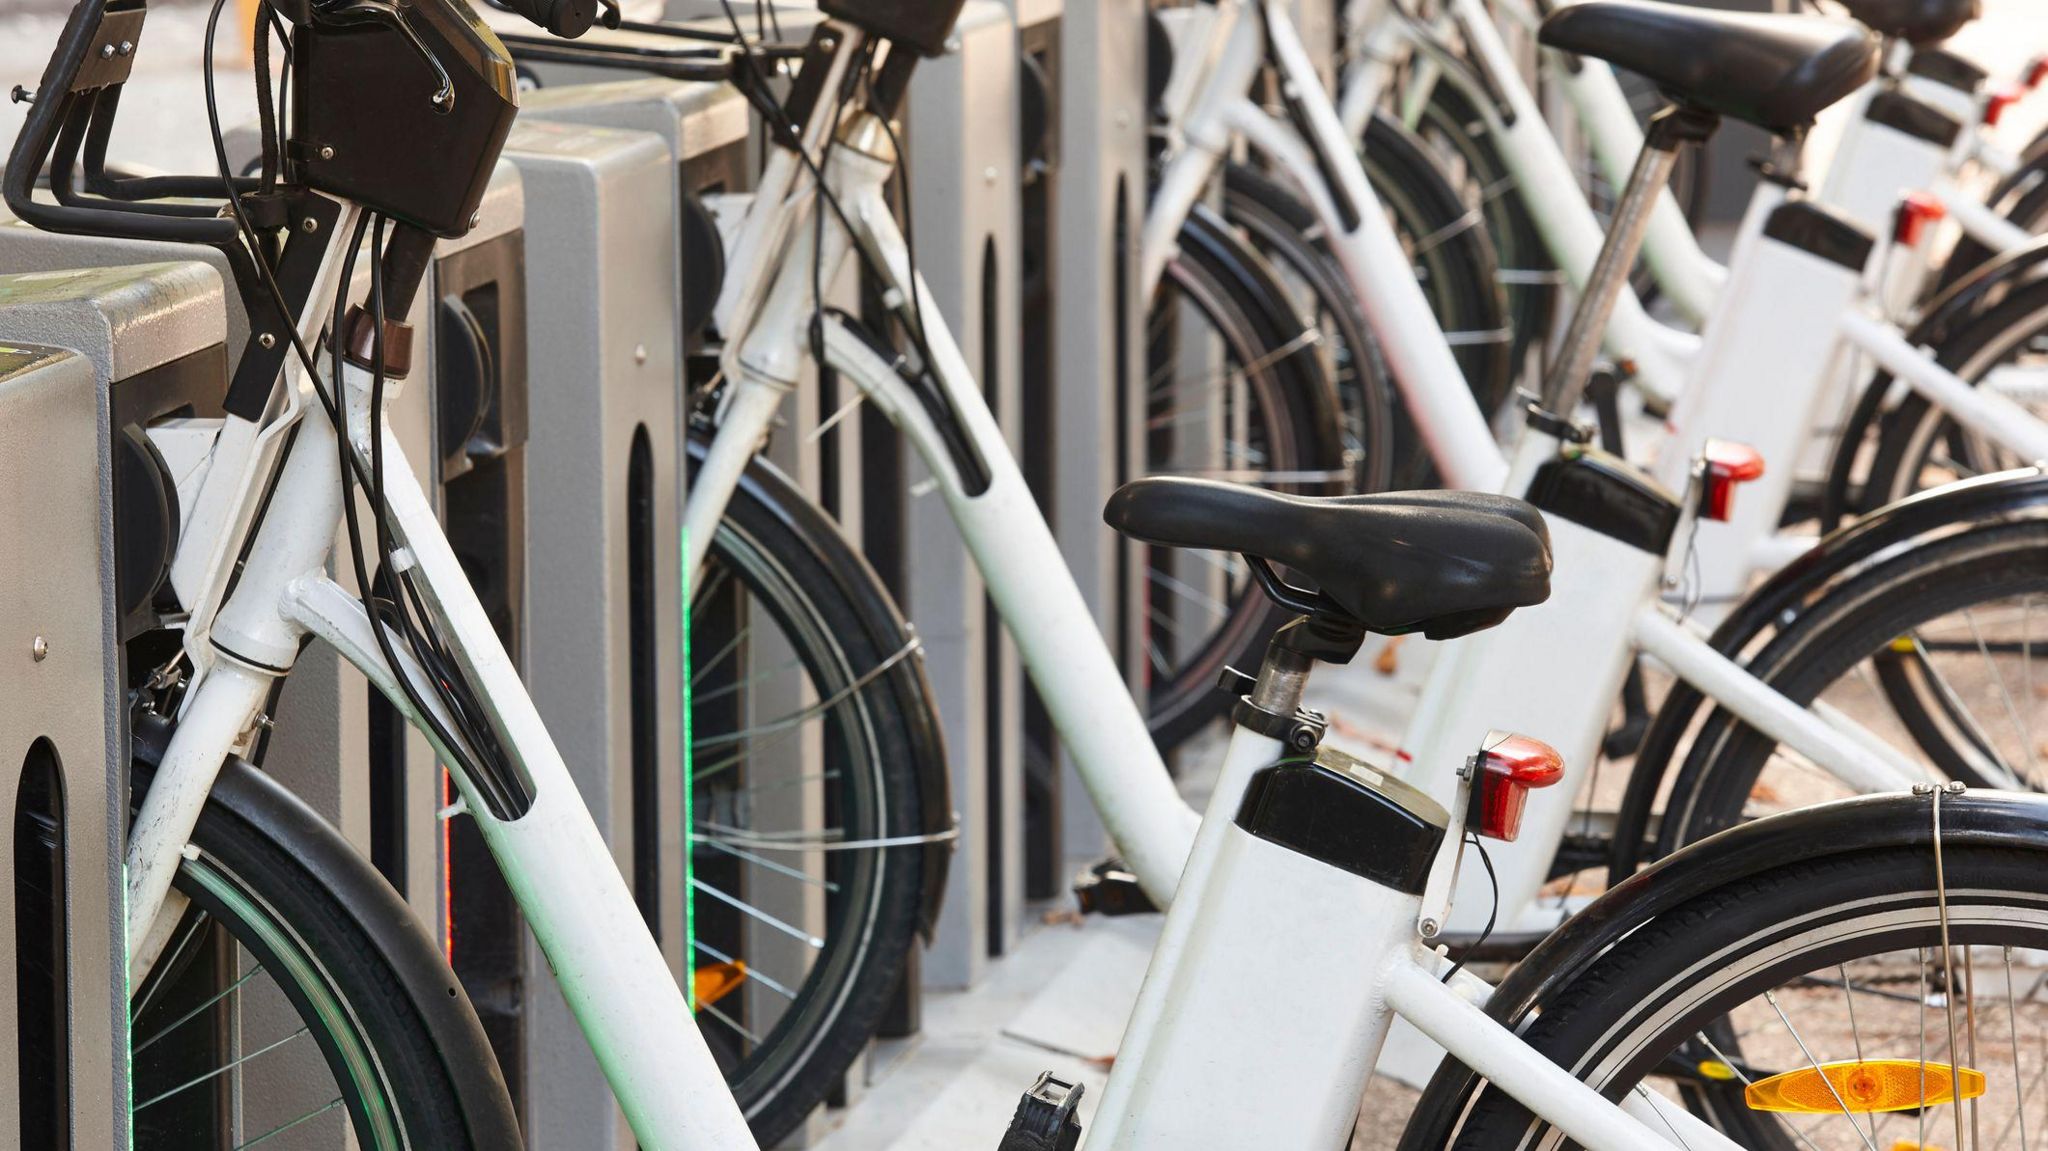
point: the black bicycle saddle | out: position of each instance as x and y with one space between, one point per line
1441 563
1776 72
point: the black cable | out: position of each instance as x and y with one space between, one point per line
817 324
924 350
1491 916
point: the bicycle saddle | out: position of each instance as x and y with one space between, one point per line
1915 21
1441 563
1772 71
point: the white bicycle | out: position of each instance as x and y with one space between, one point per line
233 887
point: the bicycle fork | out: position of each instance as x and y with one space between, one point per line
568 886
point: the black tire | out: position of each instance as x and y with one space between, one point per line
1626 1016
1866 618
253 895
1453 260
1279 225
2021 198
1918 447
775 556
1457 136
1219 281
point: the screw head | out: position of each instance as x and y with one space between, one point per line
309 224
40 649
1429 928
106 51
639 353
127 48
327 151
266 341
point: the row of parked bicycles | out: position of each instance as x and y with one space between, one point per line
1766 535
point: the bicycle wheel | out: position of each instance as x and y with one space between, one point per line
1448 248
1458 138
2021 198
809 715
274 1018
1233 392
1918 446
1933 651
1837 960
1279 227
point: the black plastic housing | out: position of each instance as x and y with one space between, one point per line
1603 492
1338 811
921 24
366 127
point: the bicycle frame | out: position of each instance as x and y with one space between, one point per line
1871 170
1607 598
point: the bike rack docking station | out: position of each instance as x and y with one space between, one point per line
961 130
1038 129
75 477
1095 375
604 628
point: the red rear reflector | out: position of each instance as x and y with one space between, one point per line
1728 464
1997 102
2037 71
1507 767
1916 211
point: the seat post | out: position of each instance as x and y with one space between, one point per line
1670 129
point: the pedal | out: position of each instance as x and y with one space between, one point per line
1108 889
1045 1118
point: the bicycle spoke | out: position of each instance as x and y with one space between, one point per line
308 1117
747 909
219 1071
174 1024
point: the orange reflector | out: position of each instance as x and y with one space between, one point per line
715 981
1909 1145
1716 1070
1869 1085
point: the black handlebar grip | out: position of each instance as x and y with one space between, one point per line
565 18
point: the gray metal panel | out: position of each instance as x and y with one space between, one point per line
694 118
56 587
1102 128
126 317
962 131
603 369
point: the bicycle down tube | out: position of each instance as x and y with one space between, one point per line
1027 578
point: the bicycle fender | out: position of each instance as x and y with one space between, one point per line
268 808
1972 819
1838 557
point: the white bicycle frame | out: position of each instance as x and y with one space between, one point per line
1607 597
764 311
1867 177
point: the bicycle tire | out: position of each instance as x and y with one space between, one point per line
1278 226
2021 197
1615 1022
1454 263
1239 298
1829 640
840 625
1453 129
414 1054
1913 428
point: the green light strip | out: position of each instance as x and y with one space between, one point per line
689 801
